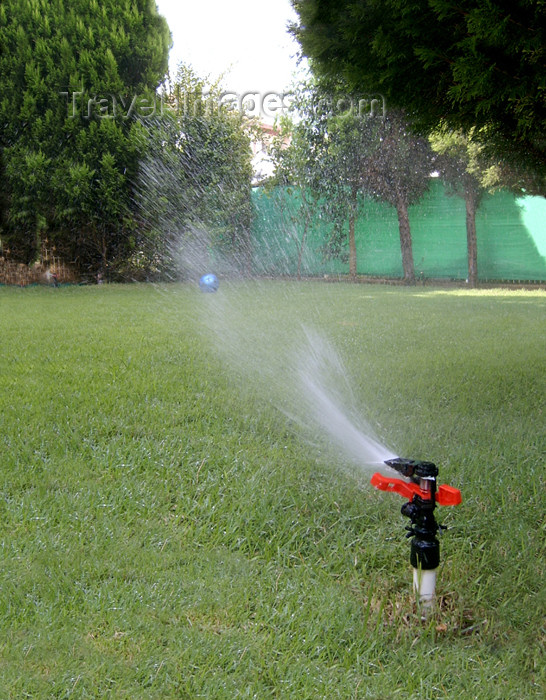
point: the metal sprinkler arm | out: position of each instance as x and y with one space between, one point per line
413 468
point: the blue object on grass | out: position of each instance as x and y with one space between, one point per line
208 283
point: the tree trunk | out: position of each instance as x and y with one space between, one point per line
248 252
405 241
38 244
306 221
302 245
352 241
241 247
471 239
104 247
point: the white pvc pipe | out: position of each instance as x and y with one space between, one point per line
424 585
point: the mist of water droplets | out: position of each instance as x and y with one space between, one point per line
299 370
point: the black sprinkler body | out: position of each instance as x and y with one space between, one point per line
425 547
423 494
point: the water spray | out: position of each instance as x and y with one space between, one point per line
423 495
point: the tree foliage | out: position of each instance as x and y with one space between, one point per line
327 157
298 152
399 174
472 65
195 182
74 78
341 150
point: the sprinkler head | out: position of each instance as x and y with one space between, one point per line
423 495
412 468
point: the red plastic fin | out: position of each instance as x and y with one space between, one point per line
408 490
448 496
445 495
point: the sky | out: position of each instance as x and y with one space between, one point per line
244 39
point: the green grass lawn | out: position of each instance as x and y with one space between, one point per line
166 532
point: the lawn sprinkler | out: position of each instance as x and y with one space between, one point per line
423 495
208 283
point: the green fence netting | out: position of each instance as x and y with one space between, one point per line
511 234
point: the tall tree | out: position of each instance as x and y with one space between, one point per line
399 174
74 78
195 182
350 142
293 178
459 167
470 64
330 137
342 150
